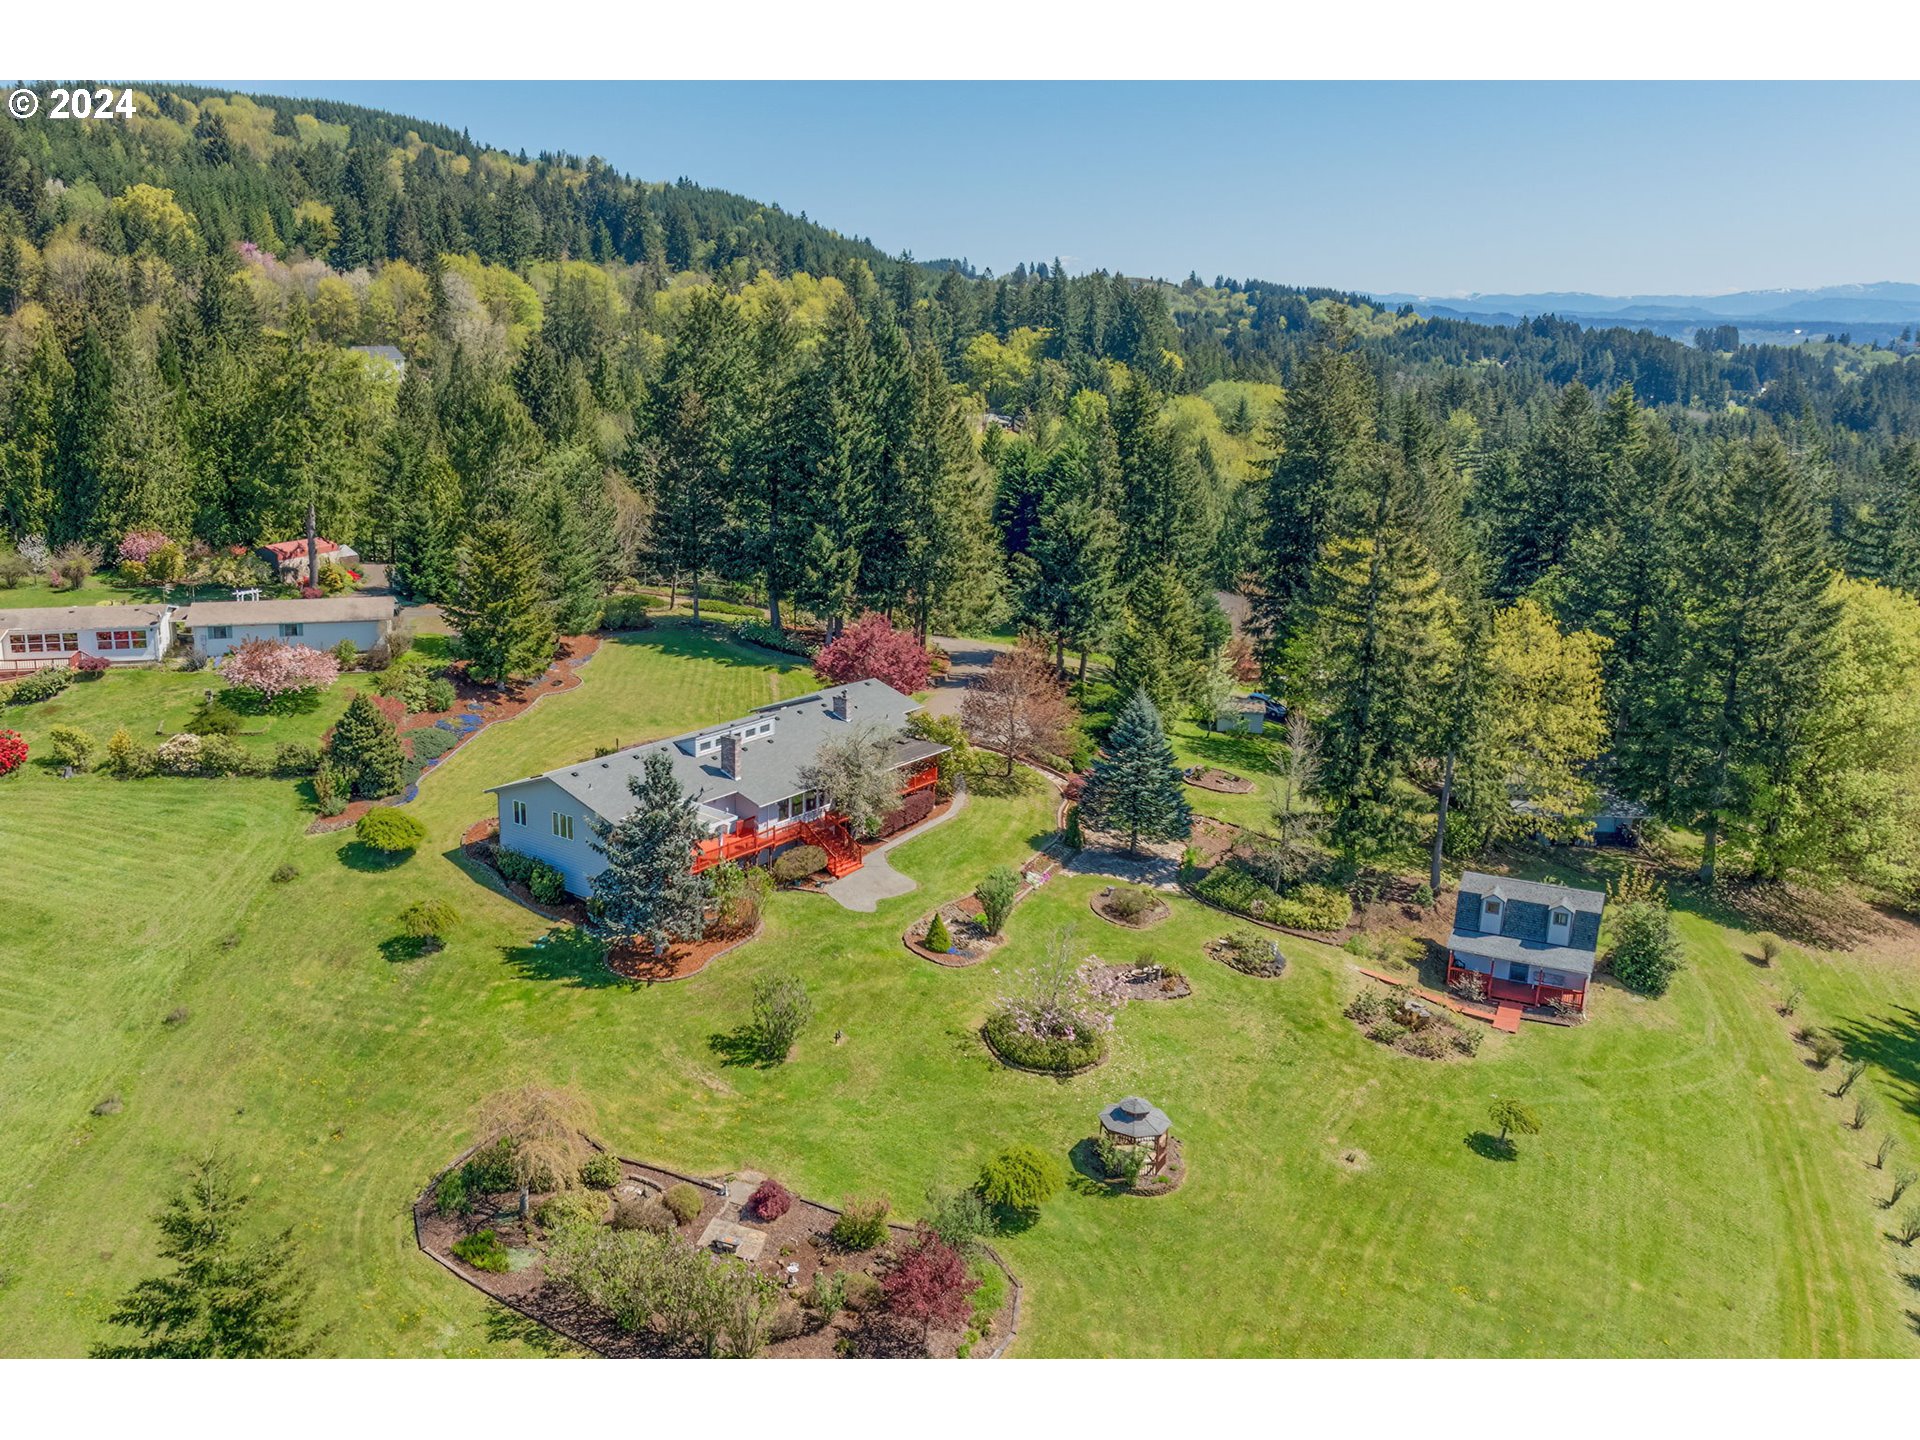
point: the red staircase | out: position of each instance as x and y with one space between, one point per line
831 834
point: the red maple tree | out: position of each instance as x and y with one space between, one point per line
929 1283
871 649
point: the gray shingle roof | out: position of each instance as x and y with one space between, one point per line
769 765
82 617
1523 927
332 609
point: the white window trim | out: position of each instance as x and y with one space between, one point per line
519 812
1558 929
563 825
1493 914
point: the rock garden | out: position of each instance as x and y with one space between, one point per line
1224 782
1251 953
1130 905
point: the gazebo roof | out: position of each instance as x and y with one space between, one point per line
1140 1119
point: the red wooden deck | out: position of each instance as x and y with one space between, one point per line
1507 1018
830 832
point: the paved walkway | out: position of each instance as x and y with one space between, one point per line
970 658
877 880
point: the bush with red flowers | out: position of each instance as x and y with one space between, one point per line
13 753
871 649
771 1200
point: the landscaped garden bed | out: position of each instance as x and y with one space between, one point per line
1131 906
1412 1025
1241 884
1055 1015
1223 782
1249 953
790 1278
1127 1169
967 935
1144 980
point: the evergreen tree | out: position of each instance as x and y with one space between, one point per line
499 606
1158 649
226 1298
648 887
1561 490
1135 787
365 747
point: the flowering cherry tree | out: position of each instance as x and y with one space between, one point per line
137 545
1055 1001
272 668
871 649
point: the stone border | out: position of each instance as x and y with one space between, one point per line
1241 784
712 1186
1093 904
947 963
994 1051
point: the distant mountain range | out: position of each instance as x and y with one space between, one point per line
1886 302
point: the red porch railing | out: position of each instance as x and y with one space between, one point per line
1515 993
829 831
921 779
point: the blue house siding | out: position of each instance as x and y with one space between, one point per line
575 859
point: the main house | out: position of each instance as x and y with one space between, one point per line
123 634
218 626
744 777
1533 943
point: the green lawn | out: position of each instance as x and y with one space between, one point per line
1693 1192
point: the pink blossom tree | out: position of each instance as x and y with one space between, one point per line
136 546
272 668
871 649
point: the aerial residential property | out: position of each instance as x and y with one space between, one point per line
745 777
217 626
1532 943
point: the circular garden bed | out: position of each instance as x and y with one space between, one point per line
1091 1159
1250 954
1133 906
969 942
1147 980
1038 1055
1224 782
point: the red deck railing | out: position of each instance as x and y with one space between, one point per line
828 831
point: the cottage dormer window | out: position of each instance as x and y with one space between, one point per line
1560 925
1492 910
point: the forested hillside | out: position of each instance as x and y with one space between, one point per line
677 383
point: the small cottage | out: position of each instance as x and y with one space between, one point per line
1533 943
218 626
289 557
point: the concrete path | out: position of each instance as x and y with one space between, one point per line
876 879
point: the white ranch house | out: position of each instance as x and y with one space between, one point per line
123 634
218 626
743 776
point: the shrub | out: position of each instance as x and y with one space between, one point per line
88 667
367 750
282 874
928 1282
829 1294
1770 948
345 656
177 1016
179 755
428 921
294 761
1366 1007
861 1224
1021 1177
127 758
210 717
1117 1161
629 612
862 1291
223 755
331 787
1073 836
759 633
490 1169
70 745
937 939
1252 954
450 1194
602 1172
1131 903
633 1212
38 685
1057 1054
798 863
771 1200
1430 1043
13 751
390 830
1907 1229
871 649
483 1251
570 1207
14 567
991 1294
1646 948
683 1202
1232 886
513 865
1465 1039
996 895
959 1217
1052 1020
547 885
1388 1032
1423 895
1826 1047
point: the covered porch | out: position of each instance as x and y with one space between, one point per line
1499 988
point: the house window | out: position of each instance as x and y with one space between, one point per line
289 632
563 825
1490 914
1559 925
120 639
519 812
1550 977
48 644
219 632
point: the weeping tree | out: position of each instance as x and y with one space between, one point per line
546 1136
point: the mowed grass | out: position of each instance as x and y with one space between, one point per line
1693 1192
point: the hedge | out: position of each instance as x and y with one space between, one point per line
1306 907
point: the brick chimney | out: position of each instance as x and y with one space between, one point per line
730 756
839 707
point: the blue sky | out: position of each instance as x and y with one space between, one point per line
1434 188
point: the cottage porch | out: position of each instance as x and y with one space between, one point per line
1512 992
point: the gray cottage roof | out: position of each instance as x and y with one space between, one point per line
769 763
48 618
1523 927
325 610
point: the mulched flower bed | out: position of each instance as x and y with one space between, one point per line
971 943
1103 901
1223 782
1270 966
799 1237
479 845
1147 982
1411 1024
475 708
636 961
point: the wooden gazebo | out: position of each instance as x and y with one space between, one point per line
1134 1121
